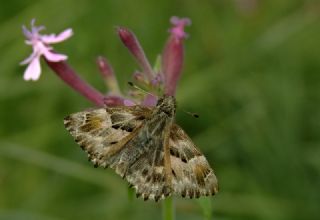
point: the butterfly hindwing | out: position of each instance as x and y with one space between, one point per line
192 175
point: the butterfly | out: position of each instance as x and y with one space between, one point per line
144 146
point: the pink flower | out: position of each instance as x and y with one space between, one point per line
173 54
40 46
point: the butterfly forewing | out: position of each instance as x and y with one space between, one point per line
101 131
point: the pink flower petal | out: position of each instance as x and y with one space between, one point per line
53 57
178 27
33 70
150 100
26 32
36 29
180 21
128 102
52 38
29 59
65 34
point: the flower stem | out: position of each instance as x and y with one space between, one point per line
70 77
168 209
206 206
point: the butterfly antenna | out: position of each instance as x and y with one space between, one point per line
195 115
140 89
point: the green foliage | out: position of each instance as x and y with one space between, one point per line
252 72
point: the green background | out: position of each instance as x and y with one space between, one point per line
252 72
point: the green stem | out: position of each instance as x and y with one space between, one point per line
168 209
206 207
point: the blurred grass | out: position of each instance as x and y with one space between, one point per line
251 72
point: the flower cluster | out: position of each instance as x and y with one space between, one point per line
157 81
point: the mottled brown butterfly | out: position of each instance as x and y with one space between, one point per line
145 147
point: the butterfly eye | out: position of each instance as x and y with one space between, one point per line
168 111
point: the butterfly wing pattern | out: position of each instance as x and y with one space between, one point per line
192 174
144 146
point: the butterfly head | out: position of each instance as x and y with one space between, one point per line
167 105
